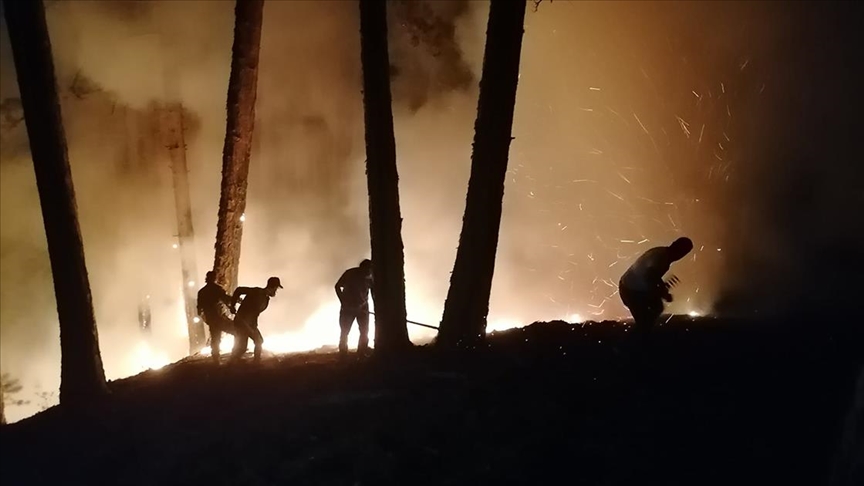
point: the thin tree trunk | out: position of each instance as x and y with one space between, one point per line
385 220
467 305
174 140
848 463
82 377
242 91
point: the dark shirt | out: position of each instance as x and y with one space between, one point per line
255 302
646 274
355 284
212 301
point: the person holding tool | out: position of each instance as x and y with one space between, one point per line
353 289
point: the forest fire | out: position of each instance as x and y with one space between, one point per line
516 184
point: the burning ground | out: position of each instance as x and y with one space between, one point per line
711 403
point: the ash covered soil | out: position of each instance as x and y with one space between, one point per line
710 402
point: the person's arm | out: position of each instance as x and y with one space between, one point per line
198 304
654 277
238 292
340 286
226 299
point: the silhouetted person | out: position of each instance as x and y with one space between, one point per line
214 305
642 287
353 288
246 320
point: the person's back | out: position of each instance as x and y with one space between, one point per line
255 301
213 301
355 285
646 273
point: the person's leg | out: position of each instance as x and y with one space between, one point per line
241 338
363 324
346 318
639 305
649 311
646 311
258 340
215 341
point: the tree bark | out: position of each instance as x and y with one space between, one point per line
82 377
467 305
242 92
385 220
174 140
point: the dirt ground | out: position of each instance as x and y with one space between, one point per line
709 403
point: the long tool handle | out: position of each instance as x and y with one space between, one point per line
415 323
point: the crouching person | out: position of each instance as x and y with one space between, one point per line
254 303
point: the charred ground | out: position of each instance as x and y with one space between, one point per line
712 402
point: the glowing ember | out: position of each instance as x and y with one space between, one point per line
694 314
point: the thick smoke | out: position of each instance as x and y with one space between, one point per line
635 123
427 61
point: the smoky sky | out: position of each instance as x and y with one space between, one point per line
734 123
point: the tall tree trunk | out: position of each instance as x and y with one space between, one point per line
385 220
242 91
467 305
172 130
82 377
175 141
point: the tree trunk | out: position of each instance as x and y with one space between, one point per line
242 91
82 377
848 464
467 305
385 220
174 140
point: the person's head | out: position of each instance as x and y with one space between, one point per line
681 247
210 277
366 266
273 283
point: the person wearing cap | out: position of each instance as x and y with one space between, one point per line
254 303
214 305
353 288
642 288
